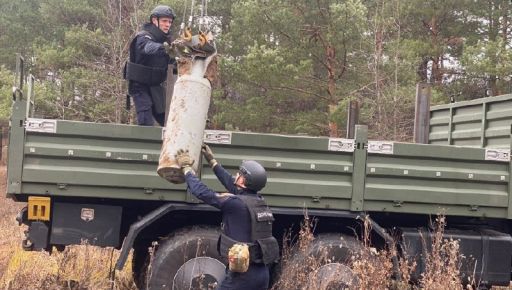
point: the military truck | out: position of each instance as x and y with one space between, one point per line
96 182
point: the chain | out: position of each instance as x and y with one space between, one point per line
202 16
191 17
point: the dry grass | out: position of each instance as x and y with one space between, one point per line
10 233
77 267
371 268
307 265
295 272
442 268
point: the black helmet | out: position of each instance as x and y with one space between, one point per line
254 174
162 11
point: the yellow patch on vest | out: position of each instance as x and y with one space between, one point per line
238 257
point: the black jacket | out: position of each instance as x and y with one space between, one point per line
148 59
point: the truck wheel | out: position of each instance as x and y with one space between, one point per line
336 251
188 260
332 276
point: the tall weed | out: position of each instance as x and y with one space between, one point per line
371 268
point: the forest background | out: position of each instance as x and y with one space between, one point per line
286 66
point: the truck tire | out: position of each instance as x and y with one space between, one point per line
187 260
334 273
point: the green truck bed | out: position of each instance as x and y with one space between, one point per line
116 161
482 123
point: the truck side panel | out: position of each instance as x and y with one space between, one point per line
478 123
115 161
79 159
419 178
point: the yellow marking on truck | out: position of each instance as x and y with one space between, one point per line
39 208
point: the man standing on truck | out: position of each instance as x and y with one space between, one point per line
146 69
246 239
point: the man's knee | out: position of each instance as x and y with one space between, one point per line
145 118
142 101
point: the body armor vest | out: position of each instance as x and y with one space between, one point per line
149 70
264 247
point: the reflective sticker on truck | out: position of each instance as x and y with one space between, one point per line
381 147
497 154
342 145
41 125
217 137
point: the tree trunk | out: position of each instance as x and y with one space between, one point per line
397 53
333 126
377 61
437 58
331 89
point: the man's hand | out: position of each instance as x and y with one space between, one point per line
208 155
168 48
184 161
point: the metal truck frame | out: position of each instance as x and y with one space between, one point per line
98 182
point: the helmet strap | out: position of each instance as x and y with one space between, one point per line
242 185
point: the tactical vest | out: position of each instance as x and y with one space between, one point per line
264 247
151 71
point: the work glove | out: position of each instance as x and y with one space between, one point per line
208 155
168 48
184 161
